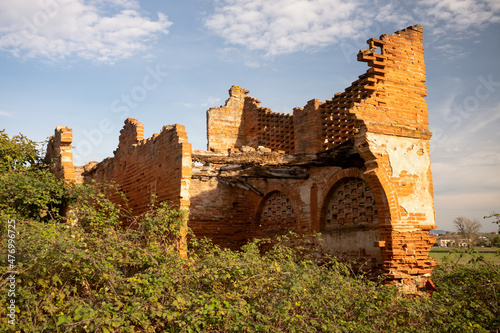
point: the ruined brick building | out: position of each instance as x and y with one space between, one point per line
355 168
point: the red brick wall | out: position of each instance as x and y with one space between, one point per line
400 87
394 141
243 122
232 216
338 122
272 130
388 99
349 203
308 126
276 215
160 166
223 213
386 113
225 124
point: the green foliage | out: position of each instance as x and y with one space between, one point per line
92 209
33 193
28 190
94 277
160 224
121 279
16 152
496 216
469 293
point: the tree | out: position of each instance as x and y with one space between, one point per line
468 228
496 241
496 216
28 190
16 152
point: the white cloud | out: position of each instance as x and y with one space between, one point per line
458 16
285 26
466 159
5 114
239 55
97 30
452 51
466 182
487 120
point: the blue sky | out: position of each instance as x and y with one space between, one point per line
89 64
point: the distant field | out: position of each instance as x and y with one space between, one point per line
489 254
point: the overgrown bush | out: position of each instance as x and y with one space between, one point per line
96 278
28 190
72 280
17 152
469 293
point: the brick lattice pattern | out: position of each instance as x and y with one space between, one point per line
277 214
351 202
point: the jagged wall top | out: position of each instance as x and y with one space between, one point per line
388 98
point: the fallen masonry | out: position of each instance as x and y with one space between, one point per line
355 168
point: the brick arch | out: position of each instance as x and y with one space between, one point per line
379 194
380 183
276 215
350 201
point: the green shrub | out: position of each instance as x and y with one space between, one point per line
104 278
72 280
17 152
469 292
33 193
28 190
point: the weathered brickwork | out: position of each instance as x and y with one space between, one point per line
159 166
59 153
277 215
243 122
156 168
350 203
272 130
355 168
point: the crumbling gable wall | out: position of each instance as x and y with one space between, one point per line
159 166
225 124
243 122
395 143
288 193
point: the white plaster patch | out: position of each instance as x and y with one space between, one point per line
410 155
352 241
305 193
403 153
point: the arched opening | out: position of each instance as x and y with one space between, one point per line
276 215
350 202
349 221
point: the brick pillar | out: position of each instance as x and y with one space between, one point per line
59 154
